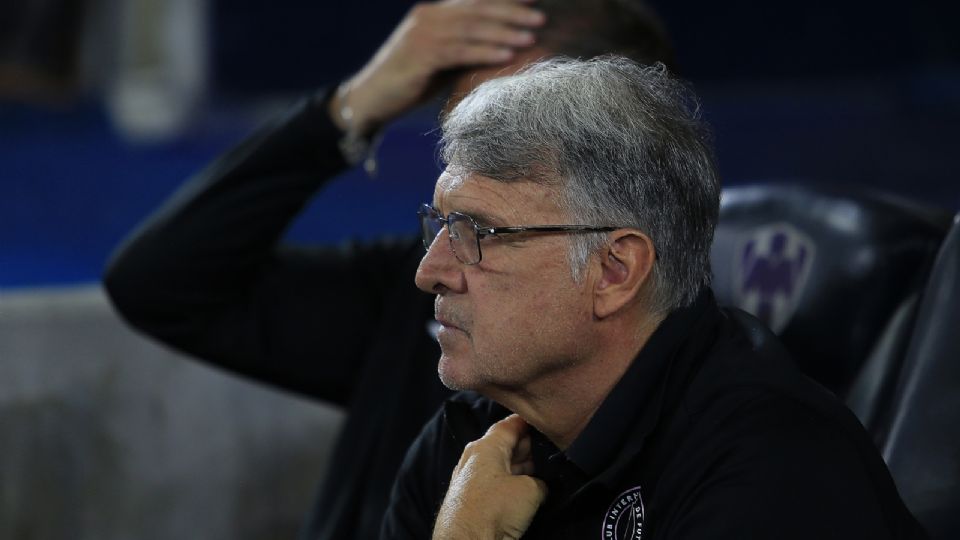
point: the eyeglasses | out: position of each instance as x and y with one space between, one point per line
465 235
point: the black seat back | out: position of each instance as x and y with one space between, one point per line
922 444
835 272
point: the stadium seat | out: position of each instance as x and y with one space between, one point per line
836 272
922 446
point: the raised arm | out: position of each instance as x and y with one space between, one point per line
206 273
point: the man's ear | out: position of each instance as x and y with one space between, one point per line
626 264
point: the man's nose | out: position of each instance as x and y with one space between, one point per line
439 270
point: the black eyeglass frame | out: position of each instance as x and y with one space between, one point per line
427 212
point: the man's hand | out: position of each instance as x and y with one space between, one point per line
433 37
491 494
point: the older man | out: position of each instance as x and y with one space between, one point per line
568 244
210 274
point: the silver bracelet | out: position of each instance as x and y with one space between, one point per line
354 146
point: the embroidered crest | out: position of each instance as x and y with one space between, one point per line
770 272
624 518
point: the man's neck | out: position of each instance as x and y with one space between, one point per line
561 404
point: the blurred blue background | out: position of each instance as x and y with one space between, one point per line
851 91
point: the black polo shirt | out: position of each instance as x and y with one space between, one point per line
711 433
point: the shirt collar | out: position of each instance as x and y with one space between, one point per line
617 430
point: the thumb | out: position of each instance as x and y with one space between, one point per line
507 433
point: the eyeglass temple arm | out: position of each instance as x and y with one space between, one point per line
542 228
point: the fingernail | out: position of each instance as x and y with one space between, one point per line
536 17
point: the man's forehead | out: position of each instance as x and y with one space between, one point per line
498 202
470 194
449 181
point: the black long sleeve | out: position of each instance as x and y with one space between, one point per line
205 273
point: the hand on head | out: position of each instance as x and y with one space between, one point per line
433 38
491 494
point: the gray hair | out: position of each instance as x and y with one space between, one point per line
621 142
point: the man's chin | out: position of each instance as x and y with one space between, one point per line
453 374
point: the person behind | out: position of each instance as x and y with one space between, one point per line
208 274
609 396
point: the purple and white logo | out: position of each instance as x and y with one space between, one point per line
770 272
624 518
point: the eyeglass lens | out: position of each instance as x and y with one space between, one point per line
430 225
463 238
461 230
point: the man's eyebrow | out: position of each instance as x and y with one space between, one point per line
480 217
484 219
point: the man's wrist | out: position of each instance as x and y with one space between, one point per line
360 138
349 111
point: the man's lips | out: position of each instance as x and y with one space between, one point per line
449 317
447 323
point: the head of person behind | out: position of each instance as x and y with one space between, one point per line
582 29
576 211
459 44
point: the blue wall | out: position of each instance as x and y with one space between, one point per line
849 92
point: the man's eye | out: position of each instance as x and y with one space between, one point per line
505 239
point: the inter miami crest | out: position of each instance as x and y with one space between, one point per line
770 272
624 518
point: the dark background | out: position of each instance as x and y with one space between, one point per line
842 92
